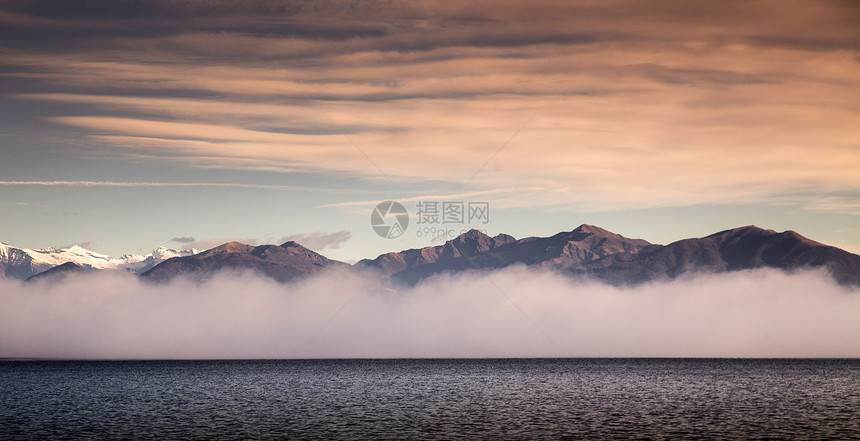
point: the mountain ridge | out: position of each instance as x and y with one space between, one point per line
558 252
594 252
586 251
735 249
22 263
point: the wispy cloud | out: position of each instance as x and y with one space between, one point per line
316 241
319 240
658 105
471 195
166 184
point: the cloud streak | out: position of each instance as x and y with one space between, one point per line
538 314
655 106
161 184
319 240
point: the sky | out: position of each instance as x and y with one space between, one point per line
125 126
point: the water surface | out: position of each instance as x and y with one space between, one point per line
431 399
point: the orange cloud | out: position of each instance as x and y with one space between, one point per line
624 104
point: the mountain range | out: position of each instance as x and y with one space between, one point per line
597 253
21 263
587 251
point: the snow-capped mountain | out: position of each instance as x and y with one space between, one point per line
139 264
21 263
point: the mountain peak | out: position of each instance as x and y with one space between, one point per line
593 234
745 230
473 242
478 235
473 234
591 229
229 247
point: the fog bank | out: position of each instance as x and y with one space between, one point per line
515 312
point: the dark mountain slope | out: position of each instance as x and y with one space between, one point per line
730 250
475 250
466 245
285 262
58 272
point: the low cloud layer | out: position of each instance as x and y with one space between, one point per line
511 313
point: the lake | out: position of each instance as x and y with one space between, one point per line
431 399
